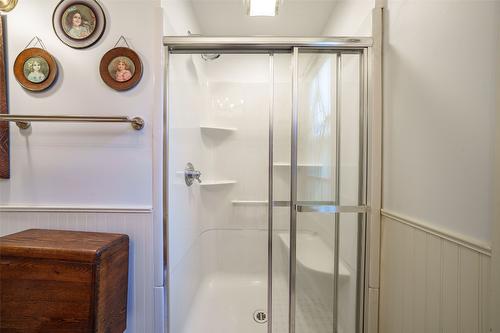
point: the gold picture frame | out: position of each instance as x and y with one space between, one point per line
7 5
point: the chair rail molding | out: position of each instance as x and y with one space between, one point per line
76 209
448 235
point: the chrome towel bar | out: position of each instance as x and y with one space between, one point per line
24 121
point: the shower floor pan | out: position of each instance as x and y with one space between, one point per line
225 303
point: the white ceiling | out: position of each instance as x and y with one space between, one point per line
296 18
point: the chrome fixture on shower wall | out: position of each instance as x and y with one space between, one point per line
190 174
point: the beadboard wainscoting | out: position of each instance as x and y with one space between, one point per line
136 223
431 281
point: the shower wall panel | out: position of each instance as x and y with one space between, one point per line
238 98
187 219
218 121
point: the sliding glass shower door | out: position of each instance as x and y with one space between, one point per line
266 188
328 191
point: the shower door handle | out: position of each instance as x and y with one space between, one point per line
318 208
190 174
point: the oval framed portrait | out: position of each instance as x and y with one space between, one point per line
35 69
79 23
121 68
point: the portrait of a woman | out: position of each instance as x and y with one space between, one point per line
121 69
77 24
36 70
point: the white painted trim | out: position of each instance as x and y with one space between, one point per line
495 259
157 131
80 209
374 168
373 304
159 309
470 243
375 149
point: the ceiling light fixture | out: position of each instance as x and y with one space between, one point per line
262 7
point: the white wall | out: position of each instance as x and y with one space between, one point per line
495 304
439 107
439 113
350 18
439 128
229 18
95 177
179 18
89 164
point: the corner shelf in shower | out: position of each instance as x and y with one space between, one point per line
208 183
217 129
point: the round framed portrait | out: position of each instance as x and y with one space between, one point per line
35 69
121 68
79 23
7 5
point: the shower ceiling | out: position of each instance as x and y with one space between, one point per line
295 18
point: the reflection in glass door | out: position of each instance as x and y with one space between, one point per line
328 197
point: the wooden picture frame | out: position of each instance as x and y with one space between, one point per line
4 125
35 69
121 68
79 23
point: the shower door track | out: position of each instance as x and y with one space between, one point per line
197 44
291 45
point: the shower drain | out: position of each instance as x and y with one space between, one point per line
260 316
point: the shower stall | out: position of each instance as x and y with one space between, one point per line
266 184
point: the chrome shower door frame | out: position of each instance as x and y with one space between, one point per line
335 207
293 46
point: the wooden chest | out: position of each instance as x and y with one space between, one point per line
63 282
